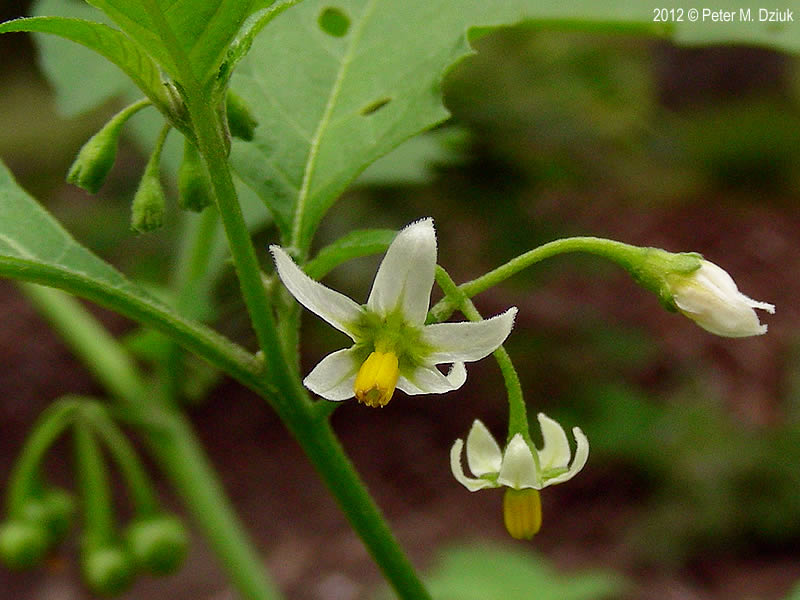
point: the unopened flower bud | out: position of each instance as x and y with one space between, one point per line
158 544
149 202
241 122
193 185
710 297
96 157
107 570
23 544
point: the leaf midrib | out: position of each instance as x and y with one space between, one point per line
308 170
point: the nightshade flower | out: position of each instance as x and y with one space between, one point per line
710 298
519 470
392 345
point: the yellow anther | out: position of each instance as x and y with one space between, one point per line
522 512
377 379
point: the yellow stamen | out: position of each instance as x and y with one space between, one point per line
522 512
377 379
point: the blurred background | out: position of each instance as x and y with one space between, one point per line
692 490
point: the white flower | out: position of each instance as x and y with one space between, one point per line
710 298
522 472
392 345
517 467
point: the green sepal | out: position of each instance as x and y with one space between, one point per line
194 188
23 544
108 570
241 122
158 544
656 267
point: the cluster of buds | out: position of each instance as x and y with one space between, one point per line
40 516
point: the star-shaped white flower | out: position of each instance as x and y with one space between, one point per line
522 472
516 467
392 345
709 296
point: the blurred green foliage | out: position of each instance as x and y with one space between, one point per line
478 572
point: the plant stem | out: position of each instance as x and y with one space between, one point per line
173 442
623 254
282 385
517 412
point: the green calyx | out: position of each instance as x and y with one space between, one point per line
158 544
391 334
655 270
54 510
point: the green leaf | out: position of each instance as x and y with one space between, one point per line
335 85
412 161
181 34
34 247
362 242
478 572
110 43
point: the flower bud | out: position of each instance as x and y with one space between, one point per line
193 185
23 544
158 544
710 297
241 122
149 202
54 511
95 159
107 570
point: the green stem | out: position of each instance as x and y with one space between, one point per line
625 255
282 387
93 482
145 499
173 442
517 412
25 480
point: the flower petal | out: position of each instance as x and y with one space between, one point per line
483 454
555 453
519 470
429 380
709 297
581 456
472 484
405 277
337 309
333 378
467 341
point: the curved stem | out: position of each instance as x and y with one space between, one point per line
93 482
623 254
172 442
517 412
24 480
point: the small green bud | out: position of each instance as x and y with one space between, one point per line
95 159
54 511
193 185
23 544
149 202
158 544
241 122
108 570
